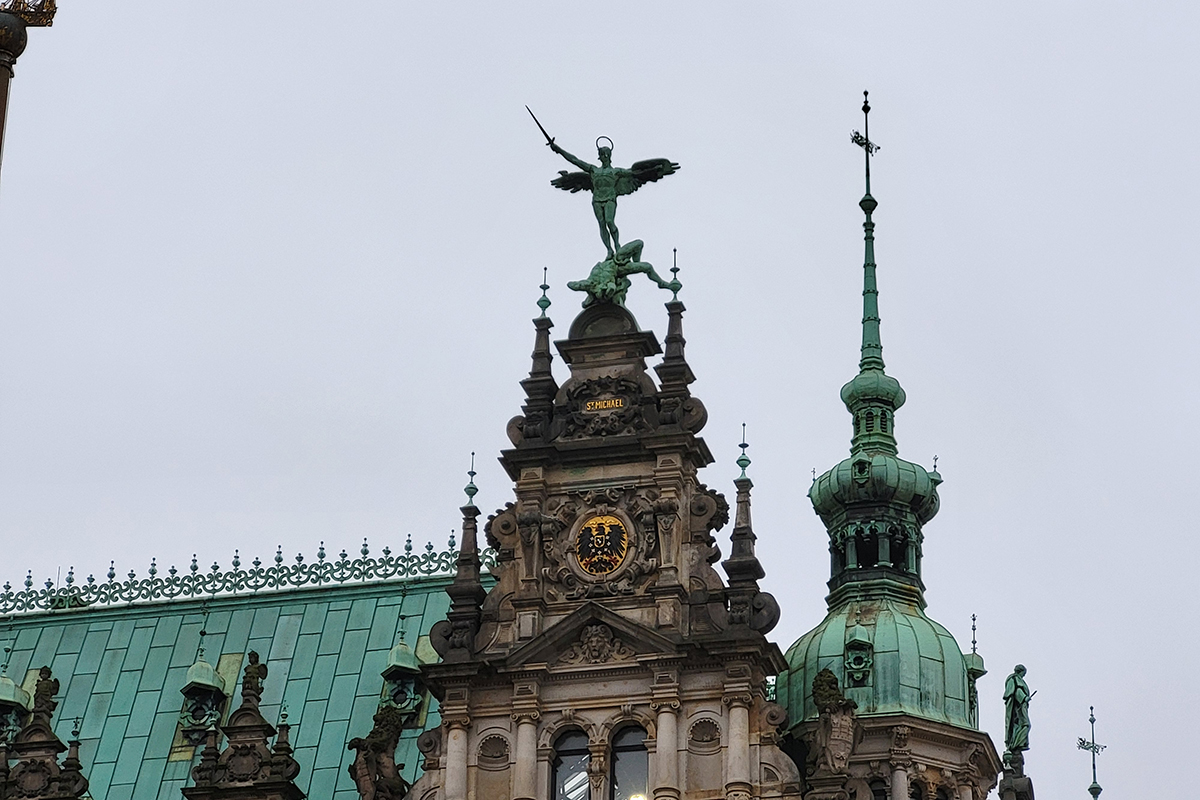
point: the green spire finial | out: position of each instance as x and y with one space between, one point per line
1095 749
203 632
544 301
674 285
872 348
743 460
973 646
471 489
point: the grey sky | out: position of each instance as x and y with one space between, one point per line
268 270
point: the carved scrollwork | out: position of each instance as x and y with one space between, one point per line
604 406
638 516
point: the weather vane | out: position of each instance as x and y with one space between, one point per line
34 13
609 281
863 139
1095 749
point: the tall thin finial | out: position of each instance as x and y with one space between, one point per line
1095 749
544 301
743 460
203 631
872 347
675 284
863 139
471 489
973 644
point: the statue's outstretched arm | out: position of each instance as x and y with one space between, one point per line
579 162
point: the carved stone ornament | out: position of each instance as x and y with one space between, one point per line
493 753
836 734
597 645
704 737
606 406
608 546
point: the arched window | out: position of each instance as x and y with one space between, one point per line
569 776
630 779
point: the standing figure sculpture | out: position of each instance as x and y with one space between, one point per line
1016 711
607 183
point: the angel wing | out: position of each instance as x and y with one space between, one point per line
572 181
643 172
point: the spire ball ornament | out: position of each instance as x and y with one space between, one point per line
471 489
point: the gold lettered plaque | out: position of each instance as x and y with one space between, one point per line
602 545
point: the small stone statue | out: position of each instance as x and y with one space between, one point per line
1016 711
252 680
837 734
43 694
374 769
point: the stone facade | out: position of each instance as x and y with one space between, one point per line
608 613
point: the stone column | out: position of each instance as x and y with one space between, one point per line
666 782
737 754
455 765
899 782
526 768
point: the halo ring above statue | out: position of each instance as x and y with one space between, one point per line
609 281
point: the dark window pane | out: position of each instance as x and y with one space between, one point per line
630 765
570 776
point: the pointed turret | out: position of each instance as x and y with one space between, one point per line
747 604
454 637
533 425
249 767
873 504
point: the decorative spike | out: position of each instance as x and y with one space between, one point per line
973 643
544 301
278 555
471 489
237 561
366 551
675 285
743 460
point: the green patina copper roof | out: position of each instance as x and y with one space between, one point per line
886 653
914 664
122 667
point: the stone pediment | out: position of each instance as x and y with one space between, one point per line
591 635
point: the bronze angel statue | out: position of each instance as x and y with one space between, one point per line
606 182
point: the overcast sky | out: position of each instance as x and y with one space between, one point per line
267 271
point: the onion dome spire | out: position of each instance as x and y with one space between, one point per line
873 503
